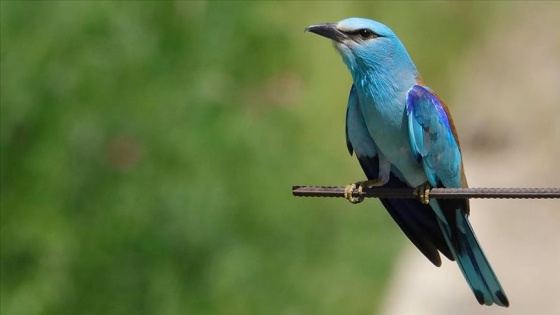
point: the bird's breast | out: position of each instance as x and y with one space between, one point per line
386 121
385 117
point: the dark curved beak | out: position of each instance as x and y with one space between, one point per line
327 30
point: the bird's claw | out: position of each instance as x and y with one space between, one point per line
423 193
360 186
348 193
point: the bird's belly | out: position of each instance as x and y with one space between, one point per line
388 129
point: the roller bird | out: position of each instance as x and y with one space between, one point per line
403 136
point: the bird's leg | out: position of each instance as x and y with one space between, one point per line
348 194
423 193
382 179
360 185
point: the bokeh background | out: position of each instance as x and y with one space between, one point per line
148 150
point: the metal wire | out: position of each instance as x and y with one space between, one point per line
438 193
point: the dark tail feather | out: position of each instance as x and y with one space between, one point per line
417 221
472 261
477 266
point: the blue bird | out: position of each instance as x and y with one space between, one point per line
403 136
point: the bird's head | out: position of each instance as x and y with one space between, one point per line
364 44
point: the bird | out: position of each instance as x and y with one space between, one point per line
403 135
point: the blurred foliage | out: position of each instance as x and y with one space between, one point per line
148 150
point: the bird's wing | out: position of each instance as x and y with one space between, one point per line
417 221
433 139
434 143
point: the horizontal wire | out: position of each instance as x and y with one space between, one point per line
437 193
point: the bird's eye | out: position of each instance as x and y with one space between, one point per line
366 34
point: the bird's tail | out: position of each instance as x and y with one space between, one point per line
471 259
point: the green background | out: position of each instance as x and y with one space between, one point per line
148 150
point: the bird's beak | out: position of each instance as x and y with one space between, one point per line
327 30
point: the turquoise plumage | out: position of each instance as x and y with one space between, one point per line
403 136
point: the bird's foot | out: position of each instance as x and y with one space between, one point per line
348 194
360 185
423 193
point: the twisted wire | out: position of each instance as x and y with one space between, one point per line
438 193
